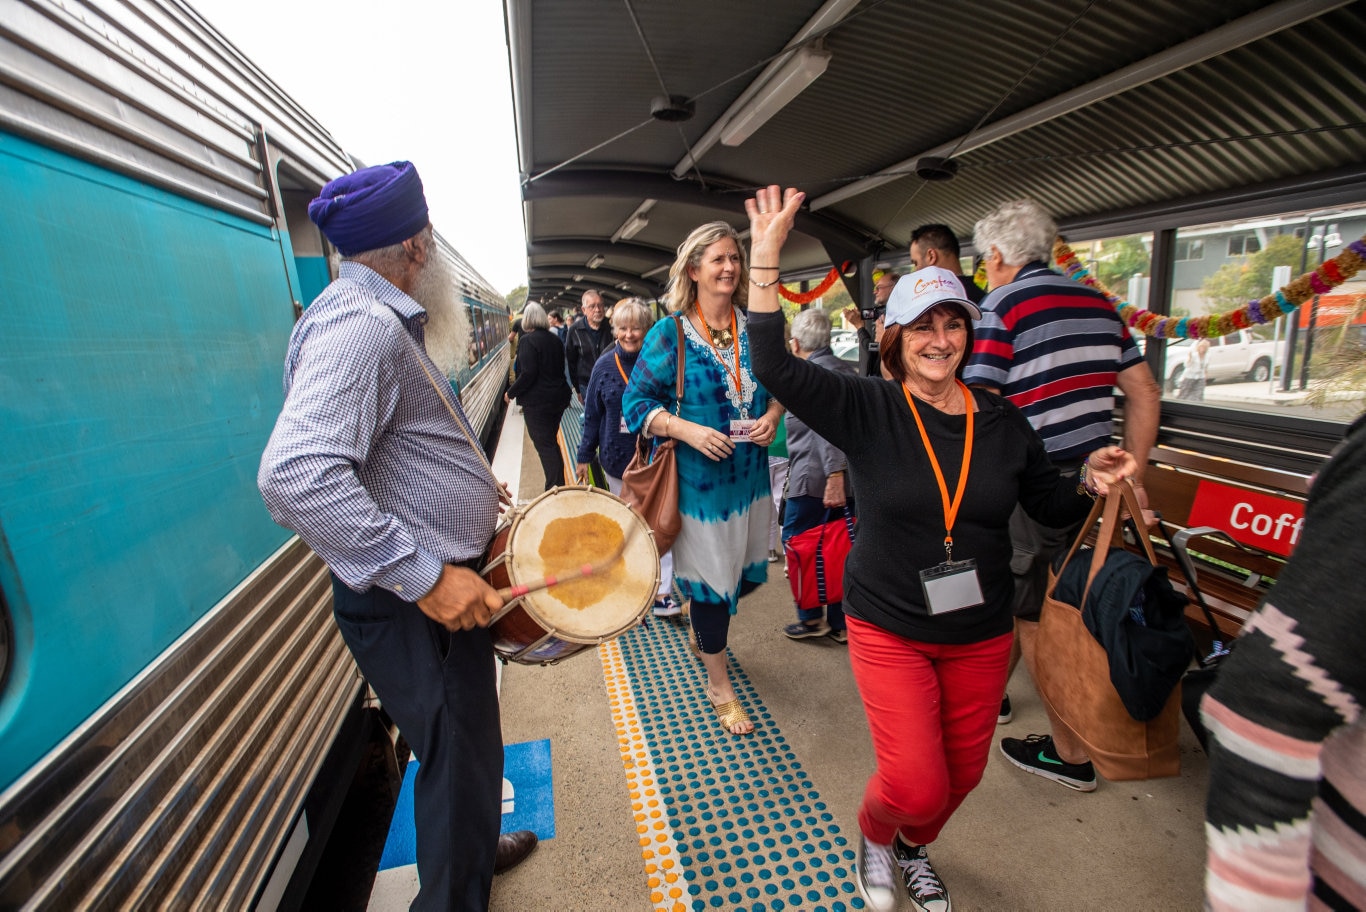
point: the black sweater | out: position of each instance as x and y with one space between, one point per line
540 382
901 517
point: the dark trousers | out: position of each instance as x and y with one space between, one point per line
542 424
439 689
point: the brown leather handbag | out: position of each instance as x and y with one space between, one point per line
650 483
1074 670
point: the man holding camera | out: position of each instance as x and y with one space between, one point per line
868 323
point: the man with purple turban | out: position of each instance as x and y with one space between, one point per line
373 463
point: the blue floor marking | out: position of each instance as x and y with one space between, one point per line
528 801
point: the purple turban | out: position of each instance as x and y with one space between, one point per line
372 208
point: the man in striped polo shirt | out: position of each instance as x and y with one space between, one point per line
1057 350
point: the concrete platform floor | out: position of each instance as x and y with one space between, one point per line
614 719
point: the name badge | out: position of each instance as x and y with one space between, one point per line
740 428
621 429
951 586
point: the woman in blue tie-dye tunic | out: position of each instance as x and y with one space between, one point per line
726 421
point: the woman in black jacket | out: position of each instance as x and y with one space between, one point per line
928 588
541 389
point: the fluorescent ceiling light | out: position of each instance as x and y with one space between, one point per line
632 226
635 222
596 261
656 271
790 80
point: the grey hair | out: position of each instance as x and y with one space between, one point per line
388 261
534 317
1021 230
811 329
633 312
682 290
590 293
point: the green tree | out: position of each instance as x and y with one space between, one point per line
1119 260
516 298
1249 278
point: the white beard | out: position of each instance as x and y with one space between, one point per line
448 324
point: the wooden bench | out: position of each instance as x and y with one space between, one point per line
1232 580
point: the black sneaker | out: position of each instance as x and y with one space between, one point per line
876 875
1036 755
927 891
1005 715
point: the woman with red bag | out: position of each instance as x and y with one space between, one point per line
817 491
928 588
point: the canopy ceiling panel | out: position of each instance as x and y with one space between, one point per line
1094 108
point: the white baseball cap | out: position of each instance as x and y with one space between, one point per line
917 292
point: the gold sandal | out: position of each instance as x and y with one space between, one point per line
732 714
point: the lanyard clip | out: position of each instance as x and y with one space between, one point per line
948 548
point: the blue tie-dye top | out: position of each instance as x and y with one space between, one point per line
708 491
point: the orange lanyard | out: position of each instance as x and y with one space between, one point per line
950 507
621 370
735 341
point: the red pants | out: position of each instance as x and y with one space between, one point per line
932 712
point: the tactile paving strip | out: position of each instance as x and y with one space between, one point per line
725 821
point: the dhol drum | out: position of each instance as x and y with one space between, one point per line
554 535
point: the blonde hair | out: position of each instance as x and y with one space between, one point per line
682 291
634 312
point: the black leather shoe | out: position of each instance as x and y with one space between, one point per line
512 848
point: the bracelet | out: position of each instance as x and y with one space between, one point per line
1084 480
763 284
752 268
668 420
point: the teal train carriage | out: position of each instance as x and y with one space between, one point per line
178 714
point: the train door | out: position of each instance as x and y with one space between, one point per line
305 240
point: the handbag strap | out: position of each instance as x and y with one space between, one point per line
678 386
1107 508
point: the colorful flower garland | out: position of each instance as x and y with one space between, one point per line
1321 281
806 297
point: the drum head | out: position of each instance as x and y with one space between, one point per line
566 528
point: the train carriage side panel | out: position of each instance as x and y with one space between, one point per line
140 368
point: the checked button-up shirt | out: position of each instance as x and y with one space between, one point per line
366 463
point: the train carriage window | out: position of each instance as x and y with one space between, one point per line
1310 363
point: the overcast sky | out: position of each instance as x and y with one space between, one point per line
427 82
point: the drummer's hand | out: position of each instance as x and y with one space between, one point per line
460 600
581 472
710 442
504 496
765 429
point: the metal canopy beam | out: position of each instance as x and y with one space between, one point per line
623 184
589 246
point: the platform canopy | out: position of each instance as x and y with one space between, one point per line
638 120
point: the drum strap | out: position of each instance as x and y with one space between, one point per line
459 419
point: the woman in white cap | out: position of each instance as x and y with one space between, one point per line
928 584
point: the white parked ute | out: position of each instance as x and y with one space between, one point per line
1237 356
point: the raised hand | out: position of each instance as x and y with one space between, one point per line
772 212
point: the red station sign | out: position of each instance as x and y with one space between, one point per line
1264 521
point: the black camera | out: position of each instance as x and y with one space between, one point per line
870 314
